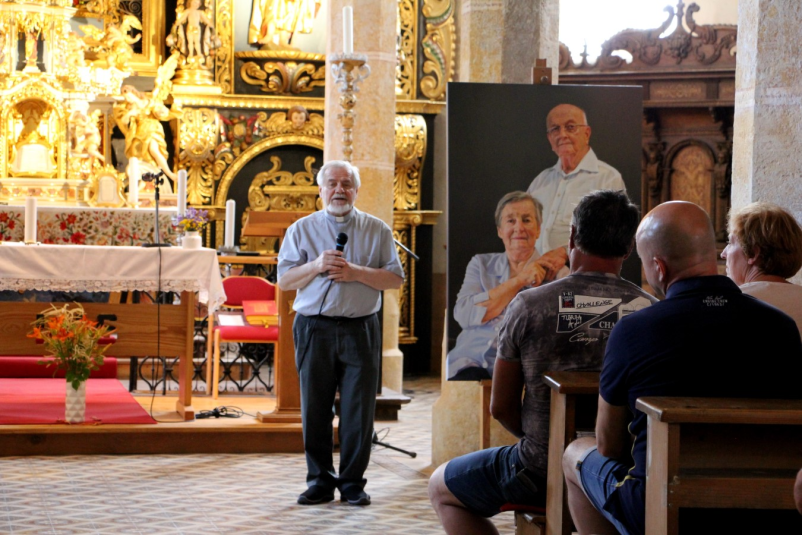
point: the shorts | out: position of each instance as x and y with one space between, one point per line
600 478
485 480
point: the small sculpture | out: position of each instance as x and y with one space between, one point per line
298 116
139 117
193 34
86 134
113 44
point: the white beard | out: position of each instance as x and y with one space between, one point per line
339 210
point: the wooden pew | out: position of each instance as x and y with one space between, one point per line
719 453
574 401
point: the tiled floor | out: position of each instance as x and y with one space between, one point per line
198 494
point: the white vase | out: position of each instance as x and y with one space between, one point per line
75 407
191 240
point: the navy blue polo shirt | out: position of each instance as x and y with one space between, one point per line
707 338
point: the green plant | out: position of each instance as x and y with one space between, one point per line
72 339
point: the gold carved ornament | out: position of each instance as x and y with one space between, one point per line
284 77
406 49
410 150
439 47
224 55
406 296
198 135
277 190
258 134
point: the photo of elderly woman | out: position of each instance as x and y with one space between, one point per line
493 279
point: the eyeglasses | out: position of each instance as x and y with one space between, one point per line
569 129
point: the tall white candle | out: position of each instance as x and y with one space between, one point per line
231 209
30 220
348 30
182 191
133 182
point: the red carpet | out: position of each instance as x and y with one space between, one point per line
41 401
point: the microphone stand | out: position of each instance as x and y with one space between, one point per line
158 180
406 249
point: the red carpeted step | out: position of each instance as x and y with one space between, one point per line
19 367
41 401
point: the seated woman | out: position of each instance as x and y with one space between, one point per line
493 279
765 249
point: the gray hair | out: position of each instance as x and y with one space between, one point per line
517 196
353 171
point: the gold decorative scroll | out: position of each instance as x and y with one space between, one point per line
284 77
410 150
224 55
405 224
227 165
439 47
198 137
284 191
405 233
406 49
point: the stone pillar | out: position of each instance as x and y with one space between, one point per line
374 135
767 130
531 31
499 41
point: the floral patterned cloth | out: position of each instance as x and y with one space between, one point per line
88 226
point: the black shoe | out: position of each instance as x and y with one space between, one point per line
354 496
316 494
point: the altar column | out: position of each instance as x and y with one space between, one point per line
767 145
373 135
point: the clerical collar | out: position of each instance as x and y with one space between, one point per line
341 219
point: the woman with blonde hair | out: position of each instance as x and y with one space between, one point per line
764 250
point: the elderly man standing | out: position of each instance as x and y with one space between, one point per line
562 325
705 339
336 328
577 172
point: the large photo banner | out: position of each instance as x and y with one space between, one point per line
552 144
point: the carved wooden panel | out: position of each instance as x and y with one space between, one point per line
692 177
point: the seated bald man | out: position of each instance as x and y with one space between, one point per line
706 338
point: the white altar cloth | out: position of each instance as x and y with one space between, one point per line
97 268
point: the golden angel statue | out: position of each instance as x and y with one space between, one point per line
139 117
275 21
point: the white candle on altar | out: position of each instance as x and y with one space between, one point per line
348 30
231 209
182 191
30 220
133 182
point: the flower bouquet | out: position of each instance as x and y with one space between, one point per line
193 220
72 339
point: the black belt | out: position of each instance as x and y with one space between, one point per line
343 318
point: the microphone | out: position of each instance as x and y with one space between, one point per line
342 239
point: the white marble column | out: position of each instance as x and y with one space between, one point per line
374 135
767 145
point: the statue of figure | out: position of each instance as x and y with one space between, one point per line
298 116
33 152
271 19
113 44
86 135
139 117
193 32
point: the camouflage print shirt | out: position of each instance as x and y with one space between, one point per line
560 326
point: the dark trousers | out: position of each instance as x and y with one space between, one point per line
332 354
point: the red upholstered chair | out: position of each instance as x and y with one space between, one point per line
238 289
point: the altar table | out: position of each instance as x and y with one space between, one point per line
143 329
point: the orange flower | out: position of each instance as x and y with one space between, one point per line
36 333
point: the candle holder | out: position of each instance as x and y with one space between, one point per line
348 70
